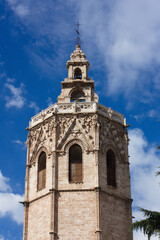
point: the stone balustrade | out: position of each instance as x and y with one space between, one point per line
76 107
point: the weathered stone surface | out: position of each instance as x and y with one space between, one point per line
91 209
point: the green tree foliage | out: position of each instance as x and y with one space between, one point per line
151 225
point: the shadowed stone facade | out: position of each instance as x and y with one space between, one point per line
56 205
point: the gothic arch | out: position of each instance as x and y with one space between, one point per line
78 88
39 151
110 144
69 143
41 171
80 94
75 164
77 73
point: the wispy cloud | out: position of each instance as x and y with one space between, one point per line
16 98
4 185
123 34
34 106
10 80
18 142
10 206
126 33
49 101
152 113
9 202
1 237
20 9
48 25
145 185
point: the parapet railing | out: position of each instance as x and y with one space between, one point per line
77 107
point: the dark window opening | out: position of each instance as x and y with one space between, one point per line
111 168
41 171
77 73
77 96
75 163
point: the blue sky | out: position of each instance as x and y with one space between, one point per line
121 40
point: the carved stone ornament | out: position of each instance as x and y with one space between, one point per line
109 132
64 123
41 136
76 127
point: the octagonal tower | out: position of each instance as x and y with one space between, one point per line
77 182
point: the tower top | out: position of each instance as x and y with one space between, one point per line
77 56
78 86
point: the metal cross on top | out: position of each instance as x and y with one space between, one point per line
78 40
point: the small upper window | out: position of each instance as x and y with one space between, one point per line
77 73
41 171
111 168
77 96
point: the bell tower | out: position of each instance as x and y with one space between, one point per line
77 183
77 87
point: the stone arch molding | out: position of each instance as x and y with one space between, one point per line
111 145
84 145
76 88
37 154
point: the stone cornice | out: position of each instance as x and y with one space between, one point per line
96 189
77 108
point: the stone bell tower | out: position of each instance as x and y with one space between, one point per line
77 183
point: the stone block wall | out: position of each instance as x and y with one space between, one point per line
115 217
76 216
39 219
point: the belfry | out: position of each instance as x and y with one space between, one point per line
77 183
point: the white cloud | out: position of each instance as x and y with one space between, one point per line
1 237
49 101
9 202
10 80
4 186
9 205
20 9
126 34
34 106
16 98
145 185
18 142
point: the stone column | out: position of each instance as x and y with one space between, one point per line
53 190
26 203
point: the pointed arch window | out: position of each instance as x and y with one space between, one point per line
111 168
75 163
78 96
77 73
41 183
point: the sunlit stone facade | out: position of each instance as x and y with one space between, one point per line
83 196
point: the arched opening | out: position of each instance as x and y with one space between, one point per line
41 183
111 168
75 163
77 73
78 96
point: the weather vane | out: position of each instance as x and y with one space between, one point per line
78 40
